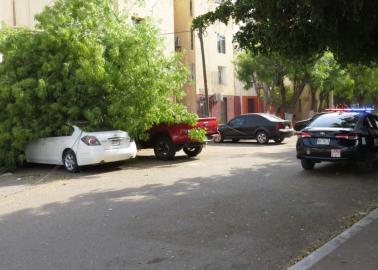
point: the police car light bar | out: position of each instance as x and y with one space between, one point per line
368 110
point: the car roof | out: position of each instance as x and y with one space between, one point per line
263 115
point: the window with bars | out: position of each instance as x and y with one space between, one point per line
136 20
222 75
193 72
221 44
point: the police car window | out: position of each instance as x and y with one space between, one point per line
336 120
368 123
374 121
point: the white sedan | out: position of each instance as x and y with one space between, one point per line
81 148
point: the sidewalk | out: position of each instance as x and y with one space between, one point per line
356 248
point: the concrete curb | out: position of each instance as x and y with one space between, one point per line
326 249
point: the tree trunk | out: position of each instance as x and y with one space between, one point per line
299 86
267 97
314 105
282 107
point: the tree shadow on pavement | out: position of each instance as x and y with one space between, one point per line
252 218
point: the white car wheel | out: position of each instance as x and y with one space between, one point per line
70 162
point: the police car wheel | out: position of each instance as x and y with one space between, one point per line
367 164
307 164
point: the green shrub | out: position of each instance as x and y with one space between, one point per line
197 134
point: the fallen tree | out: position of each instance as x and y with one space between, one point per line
85 61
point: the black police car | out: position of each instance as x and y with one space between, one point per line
347 134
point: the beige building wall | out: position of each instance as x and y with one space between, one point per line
193 56
21 12
213 58
160 12
185 43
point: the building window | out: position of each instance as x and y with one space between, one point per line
191 40
221 44
136 20
222 78
193 72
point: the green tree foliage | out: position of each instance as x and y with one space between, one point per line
303 28
268 72
327 76
85 61
365 87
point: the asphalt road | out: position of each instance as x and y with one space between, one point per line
236 206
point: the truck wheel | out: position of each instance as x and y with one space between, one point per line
193 151
164 149
307 164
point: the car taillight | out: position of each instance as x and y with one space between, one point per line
280 126
302 134
348 136
90 140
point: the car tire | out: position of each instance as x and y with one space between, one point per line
367 165
307 164
262 137
219 138
70 161
193 151
164 149
278 140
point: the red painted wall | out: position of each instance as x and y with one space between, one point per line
234 107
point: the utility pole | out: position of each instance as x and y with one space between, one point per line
200 35
14 13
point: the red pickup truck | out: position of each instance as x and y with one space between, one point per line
166 140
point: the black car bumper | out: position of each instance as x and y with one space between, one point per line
284 133
355 153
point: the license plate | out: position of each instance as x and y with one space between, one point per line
116 143
322 141
336 153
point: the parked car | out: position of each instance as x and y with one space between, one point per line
338 136
79 148
303 123
260 126
166 140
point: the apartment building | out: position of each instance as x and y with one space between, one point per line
227 97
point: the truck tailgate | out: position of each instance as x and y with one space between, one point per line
209 123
